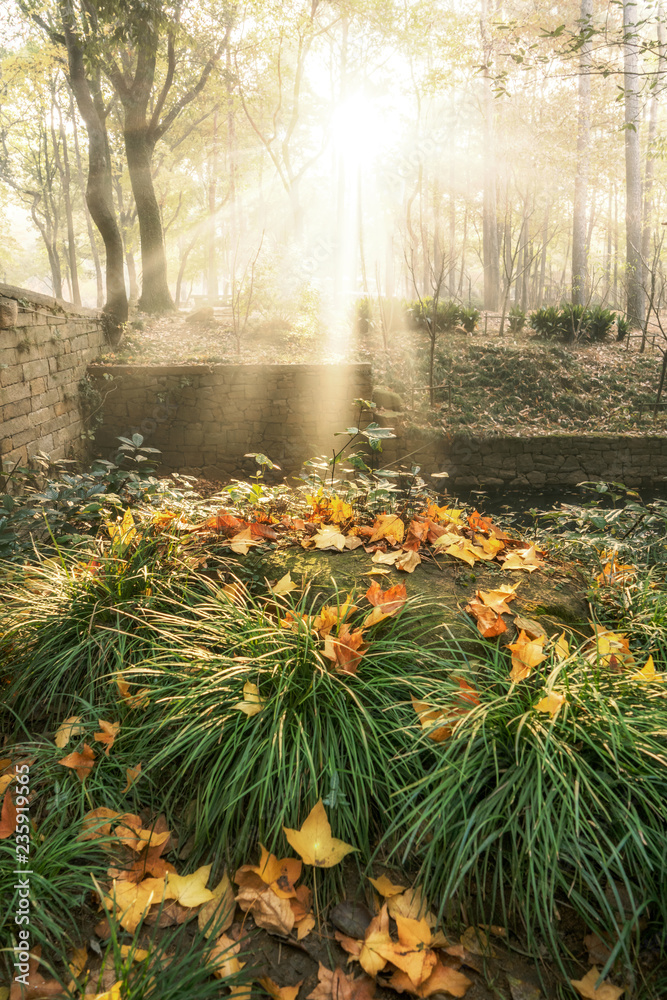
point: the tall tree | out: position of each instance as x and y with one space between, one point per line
489 210
635 295
579 241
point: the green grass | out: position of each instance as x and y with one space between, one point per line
523 816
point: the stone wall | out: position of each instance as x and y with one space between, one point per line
204 419
564 459
45 348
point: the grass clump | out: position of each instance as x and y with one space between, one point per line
529 815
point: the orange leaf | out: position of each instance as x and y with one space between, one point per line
109 731
82 763
489 622
526 654
7 816
131 775
441 980
346 649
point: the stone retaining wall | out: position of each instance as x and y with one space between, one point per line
204 419
564 459
45 347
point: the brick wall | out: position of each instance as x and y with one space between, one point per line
45 347
204 419
564 459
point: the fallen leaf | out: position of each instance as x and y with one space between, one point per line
610 649
526 559
67 729
279 992
346 649
138 700
190 890
131 775
304 926
242 542
108 733
551 704
39 988
269 910
124 532
562 647
384 558
375 941
412 904
329 537
386 887
442 979
7 816
498 600
526 654
96 823
82 763
433 721
388 526
586 987
489 621
476 941
131 901
283 586
337 985
648 674
314 843
331 615
223 958
252 703
407 562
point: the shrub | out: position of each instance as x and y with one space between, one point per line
469 318
572 322
447 318
516 319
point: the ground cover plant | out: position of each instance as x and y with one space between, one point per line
179 705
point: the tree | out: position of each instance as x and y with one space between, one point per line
633 182
579 240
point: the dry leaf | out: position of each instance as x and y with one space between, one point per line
108 734
407 562
82 763
385 886
551 703
388 526
526 559
218 913
314 843
131 775
138 700
329 537
498 599
337 986
190 890
279 992
284 586
526 654
252 703
67 729
605 991
345 649
489 622
443 979
269 910
131 901
7 816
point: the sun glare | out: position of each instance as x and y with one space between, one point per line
357 130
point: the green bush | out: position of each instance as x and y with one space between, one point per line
572 322
516 319
448 314
469 318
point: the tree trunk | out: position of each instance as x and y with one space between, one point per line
647 212
155 294
89 225
99 196
71 243
633 187
579 246
489 210
212 281
539 298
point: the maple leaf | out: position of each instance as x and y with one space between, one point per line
447 538
345 649
498 600
526 654
224 959
329 537
385 602
131 901
242 542
138 700
442 979
648 674
551 703
410 903
376 939
464 550
337 986
586 987
269 911
329 616
447 514
279 992
432 720
190 890
526 559
67 729
562 647
280 874
124 532
7 816
283 586
131 775
108 733
613 573
611 649
314 843
489 622
304 926
407 562
252 703
417 534
95 823
132 834
82 763
386 887
385 558
388 526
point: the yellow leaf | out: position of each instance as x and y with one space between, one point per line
586 987
108 733
526 559
131 901
314 843
648 674
526 654
135 954
304 926
386 887
551 704
407 562
67 729
218 913
329 537
223 957
190 890
498 600
252 702
112 994
388 526
562 647
284 585
77 962
242 542
279 992
125 531
463 550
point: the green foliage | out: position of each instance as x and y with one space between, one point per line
469 318
573 322
622 327
448 314
516 319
